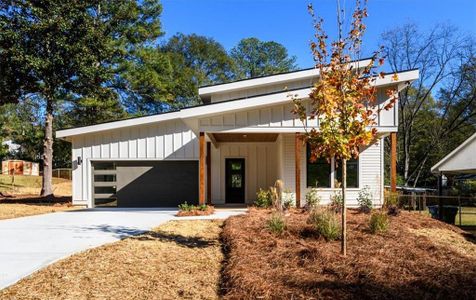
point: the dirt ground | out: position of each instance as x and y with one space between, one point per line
418 258
178 260
16 210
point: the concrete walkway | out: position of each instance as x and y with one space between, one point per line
30 243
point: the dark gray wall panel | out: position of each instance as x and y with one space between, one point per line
156 183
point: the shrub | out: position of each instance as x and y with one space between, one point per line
288 199
276 224
326 223
378 222
312 199
263 198
336 201
186 207
391 203
365 199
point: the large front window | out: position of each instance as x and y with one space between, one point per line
319 173
352 173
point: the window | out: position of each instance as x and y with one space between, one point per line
352 173
318 172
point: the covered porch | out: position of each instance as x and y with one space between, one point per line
234 166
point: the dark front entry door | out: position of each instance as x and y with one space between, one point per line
235 180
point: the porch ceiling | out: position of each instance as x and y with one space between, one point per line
244 137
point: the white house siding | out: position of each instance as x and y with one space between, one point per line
171 140
270 88
277 116
261 167
281 117
370 172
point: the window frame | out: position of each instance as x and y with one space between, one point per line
308 164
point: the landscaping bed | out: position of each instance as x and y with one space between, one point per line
190 210
417 258
180 259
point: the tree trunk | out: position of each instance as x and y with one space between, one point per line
343 248
47 187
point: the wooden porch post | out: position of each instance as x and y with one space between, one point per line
209 173
393 162
297 167
201 173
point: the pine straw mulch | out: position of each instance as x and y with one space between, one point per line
196 212
418 258
180 259
16 210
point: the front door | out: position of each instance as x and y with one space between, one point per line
235 180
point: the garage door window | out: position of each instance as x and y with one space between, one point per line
105 184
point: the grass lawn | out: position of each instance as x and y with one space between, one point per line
13 210
180 259
31 185
418 258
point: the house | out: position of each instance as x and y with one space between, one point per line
461 160
244 137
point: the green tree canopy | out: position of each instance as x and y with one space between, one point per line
253 58
197 60
57 50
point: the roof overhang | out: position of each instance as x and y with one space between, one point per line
226 106
206 91
438 167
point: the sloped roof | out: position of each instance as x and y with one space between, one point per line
221 107
460 160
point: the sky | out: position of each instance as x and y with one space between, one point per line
288 22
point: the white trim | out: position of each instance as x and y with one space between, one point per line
267 80
435 169
300 129
221 107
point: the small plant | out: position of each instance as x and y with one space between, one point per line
326 223
312 199
276 224
378 223
263 198
186 209
336 201
391 203
288 199
365 199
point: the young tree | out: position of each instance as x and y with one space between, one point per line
253 57
343 99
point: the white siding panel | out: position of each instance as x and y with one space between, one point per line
168 140
370 166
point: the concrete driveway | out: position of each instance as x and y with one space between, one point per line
30 243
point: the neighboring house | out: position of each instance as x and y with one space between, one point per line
461 160
244 137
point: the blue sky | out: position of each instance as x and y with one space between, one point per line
287 21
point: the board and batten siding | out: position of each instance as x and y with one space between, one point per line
370 173
281 117
261 167
170 140
263 90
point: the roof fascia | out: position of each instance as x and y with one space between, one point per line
435 168
222 107
267 80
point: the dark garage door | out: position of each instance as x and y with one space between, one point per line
153 184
